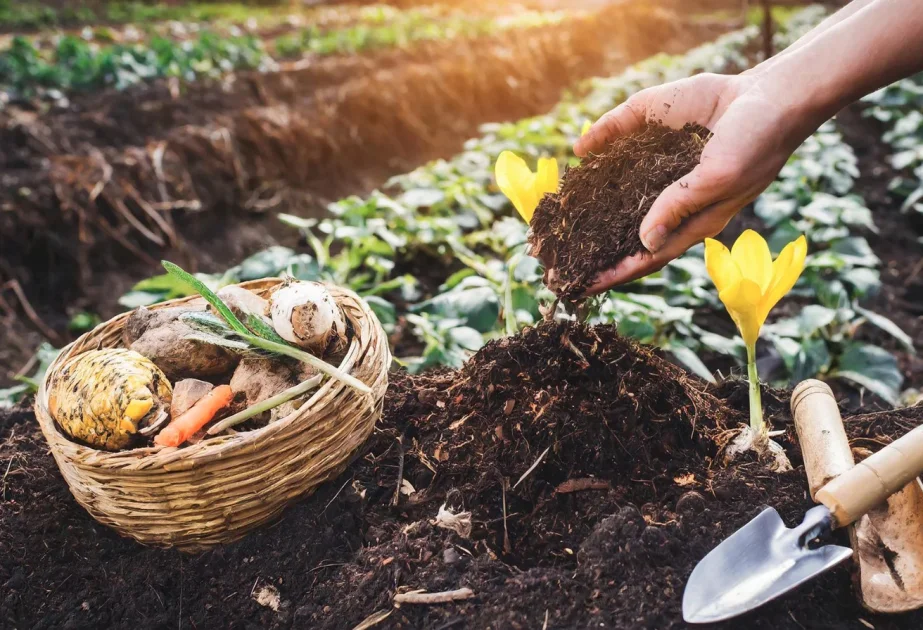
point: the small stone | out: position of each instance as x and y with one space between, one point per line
629 521
653 537
690 503
186 393
450 556
16 581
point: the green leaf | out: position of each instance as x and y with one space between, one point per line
691 361
476 306
262 329
873 368
209 295
265 264
813 359
83 321
886 325
384 310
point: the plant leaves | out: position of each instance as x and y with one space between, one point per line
873 368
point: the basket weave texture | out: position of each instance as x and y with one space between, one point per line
216 490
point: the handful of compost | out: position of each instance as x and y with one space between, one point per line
119 398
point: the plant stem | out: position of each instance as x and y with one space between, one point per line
509 313
756 403
266 405
310 359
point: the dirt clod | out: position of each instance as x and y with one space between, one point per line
593 223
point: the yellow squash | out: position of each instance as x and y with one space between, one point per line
104 397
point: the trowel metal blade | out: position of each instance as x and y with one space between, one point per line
759 562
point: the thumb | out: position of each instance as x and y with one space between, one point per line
702 188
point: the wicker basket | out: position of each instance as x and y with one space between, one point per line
218 489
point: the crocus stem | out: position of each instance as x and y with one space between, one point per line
756 403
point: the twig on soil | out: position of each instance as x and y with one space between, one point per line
335 496
400 470
374 619
16 288
416 597
507 546
545 625
532 467
578 485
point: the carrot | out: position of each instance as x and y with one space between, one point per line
187 423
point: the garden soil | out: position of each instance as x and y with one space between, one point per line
592 223
590 466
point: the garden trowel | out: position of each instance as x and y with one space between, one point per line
765 559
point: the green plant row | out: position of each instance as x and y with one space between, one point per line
404 28
75 63
16 15
900 107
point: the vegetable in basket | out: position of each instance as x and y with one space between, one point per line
105 398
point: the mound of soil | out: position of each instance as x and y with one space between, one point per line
585 461
592 223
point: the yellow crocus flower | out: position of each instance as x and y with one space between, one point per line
586 127
749 284
523 187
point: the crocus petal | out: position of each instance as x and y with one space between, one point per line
721 267
785 273
751 253
742 300
516 181
546 180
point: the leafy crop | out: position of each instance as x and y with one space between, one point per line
76 64
900 106
79 63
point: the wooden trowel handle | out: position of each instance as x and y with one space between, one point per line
823 440
871 481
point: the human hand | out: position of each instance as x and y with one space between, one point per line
753 137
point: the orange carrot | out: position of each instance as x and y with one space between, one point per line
187 423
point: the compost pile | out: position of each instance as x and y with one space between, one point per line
592 223
583 460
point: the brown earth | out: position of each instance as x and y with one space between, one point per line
592 223
590 467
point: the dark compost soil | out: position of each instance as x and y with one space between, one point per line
593 222
589 467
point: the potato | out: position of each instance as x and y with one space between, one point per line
162 337
257 379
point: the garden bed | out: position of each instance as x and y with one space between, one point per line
590 466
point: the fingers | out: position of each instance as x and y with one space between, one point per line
707 185
621 121
704 225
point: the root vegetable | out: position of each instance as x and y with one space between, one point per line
200 414
105 397
305 314
259 379
243 302
163 338
143 319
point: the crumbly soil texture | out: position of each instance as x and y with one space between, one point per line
593 222
578 479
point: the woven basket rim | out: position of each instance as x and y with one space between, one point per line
209 448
